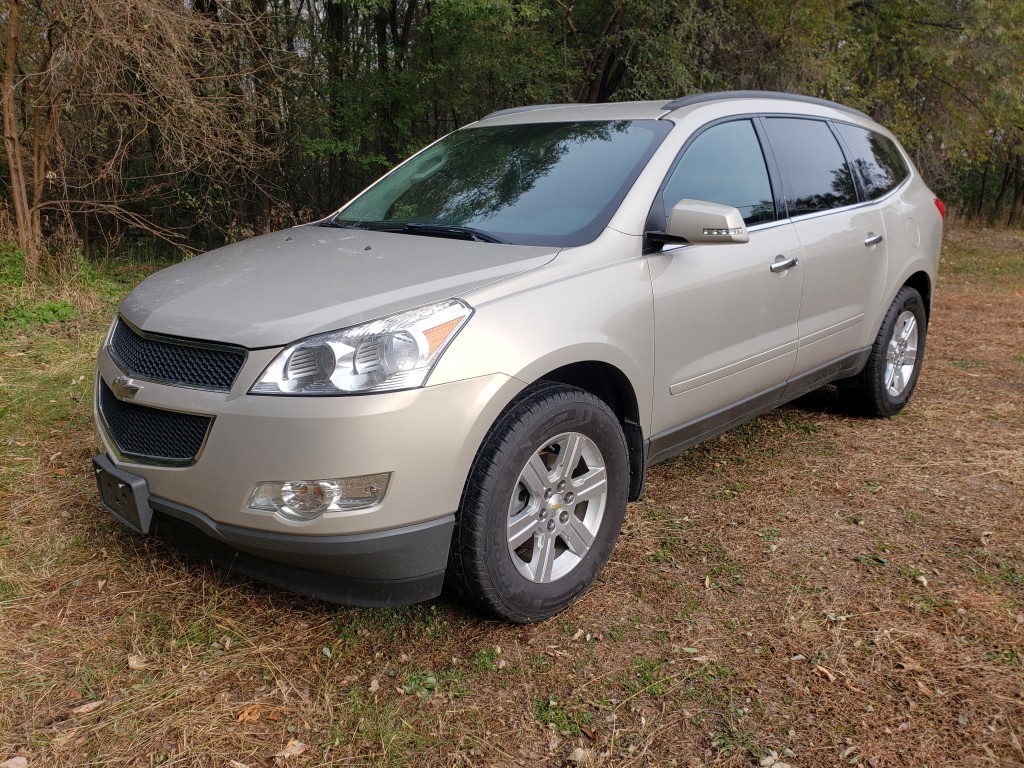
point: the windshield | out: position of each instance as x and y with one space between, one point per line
531 184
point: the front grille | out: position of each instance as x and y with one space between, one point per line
152 435
175 361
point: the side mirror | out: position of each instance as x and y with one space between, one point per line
697 221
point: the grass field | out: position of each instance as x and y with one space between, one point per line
810 589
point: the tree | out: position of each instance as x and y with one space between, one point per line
121 107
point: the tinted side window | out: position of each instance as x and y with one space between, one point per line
819 175
879 163
724 165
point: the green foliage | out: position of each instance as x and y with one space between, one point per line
645 676
562 718
42 312
423 683
12 265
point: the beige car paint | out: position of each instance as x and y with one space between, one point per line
691 328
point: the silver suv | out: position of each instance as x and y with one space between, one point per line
464 373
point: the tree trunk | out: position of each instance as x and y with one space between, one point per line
1017 207
981 193
27 234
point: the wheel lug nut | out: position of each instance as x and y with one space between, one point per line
551 525
547 493
569 497
561 485
563 518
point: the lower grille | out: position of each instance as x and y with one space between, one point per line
150 434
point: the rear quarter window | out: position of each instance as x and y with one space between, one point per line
876 158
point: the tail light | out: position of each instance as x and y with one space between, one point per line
942 208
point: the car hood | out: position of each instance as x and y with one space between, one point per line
274 289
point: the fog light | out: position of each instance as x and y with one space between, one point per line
307 499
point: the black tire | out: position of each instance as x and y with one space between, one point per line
884 387
567 434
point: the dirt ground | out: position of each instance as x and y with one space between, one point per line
810 589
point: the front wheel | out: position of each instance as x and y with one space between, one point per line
543 505
885 385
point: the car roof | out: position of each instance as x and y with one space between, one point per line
653 110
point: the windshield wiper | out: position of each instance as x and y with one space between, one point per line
339 225
448 230
417 228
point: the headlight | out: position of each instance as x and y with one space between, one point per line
396 352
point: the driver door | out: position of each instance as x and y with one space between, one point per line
725 320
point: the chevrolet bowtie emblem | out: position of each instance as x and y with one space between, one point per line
125 389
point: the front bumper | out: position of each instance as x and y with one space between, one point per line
384 568
389 554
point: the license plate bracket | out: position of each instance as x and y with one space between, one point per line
124 495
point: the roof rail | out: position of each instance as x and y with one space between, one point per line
702 98
529 108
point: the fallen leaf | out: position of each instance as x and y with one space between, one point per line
820 671
236 764
250 714
85 709
909 665
707 582
294 748
68 737
374 685
851 686
581 755
136 662
15 762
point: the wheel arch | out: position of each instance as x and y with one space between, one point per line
922 283
612 386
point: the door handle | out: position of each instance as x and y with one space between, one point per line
781 264
872 239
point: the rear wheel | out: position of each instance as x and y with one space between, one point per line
543 506
885 385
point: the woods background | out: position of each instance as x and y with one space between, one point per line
202 121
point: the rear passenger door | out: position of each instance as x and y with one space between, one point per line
725 323
843 240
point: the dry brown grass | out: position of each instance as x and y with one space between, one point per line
848 590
